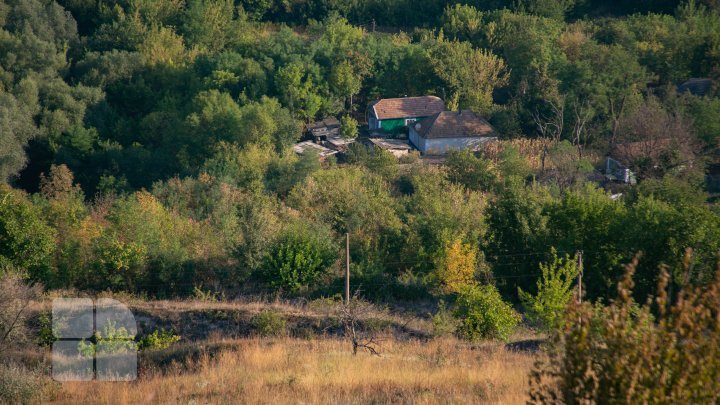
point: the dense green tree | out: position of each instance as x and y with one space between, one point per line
26 241
473 172
469 75
302 255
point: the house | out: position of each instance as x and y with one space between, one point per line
448 130
395 114
397 147
321 131
310 146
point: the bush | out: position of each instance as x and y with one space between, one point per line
443 322
15 296
158 340
455 266
484 315
19 385
301 256
26 241
555 290
269 323
658 353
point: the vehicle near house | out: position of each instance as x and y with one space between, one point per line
393 115
451 130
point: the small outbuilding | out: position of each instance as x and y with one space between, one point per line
397 147
311 147
321 131
395 114
451 130
339 143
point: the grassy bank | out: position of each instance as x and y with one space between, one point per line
325 371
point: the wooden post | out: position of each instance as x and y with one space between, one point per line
373 25
580 274
347 268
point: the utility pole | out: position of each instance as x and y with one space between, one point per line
580 274
347 268
373 25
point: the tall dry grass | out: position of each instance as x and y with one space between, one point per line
324 371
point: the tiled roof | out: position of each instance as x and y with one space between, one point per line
454 124
408 107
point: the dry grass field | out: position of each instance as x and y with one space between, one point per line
323 371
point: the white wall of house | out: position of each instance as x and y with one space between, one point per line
440 146
416 140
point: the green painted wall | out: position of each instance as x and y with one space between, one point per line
394 126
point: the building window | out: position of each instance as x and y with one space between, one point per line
409 121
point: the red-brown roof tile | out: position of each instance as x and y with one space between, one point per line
408 107
454 124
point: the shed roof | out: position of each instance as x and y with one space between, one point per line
330 122
390 144
407 107
302 147
454 124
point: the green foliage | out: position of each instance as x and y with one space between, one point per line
512 164
158 340
484 315
112 340
443 321
665 351
301 256
349 127
554 291
475 173
269 323
471 74
26 241
200 102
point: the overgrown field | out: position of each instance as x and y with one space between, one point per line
288 370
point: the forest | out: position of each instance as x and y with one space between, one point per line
145 144
146 148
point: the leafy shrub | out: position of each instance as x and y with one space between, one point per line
443 322
555 290
19 385
484 315
455 266
666 351
114 340
301 256
45 337
158 340
348 128
269 323
473 172
26 241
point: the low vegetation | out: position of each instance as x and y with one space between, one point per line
325 371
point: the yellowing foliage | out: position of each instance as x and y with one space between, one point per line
455 269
